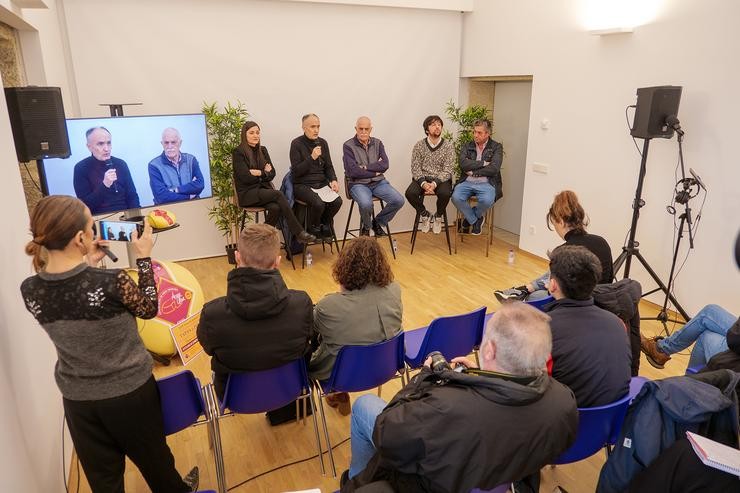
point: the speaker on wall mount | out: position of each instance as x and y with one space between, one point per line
37 119
654 104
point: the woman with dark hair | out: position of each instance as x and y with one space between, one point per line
253 175
366 310
111 402
567 217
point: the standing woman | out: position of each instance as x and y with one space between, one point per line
111 401
253 174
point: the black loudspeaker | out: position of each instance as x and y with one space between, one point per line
654 104
37 119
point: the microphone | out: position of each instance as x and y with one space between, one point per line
321 157
108 253
697 178
109 165
673 122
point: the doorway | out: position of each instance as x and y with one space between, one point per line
510 99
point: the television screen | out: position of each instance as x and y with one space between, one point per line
121 163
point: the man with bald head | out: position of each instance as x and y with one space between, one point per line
174 176
365 161
101 181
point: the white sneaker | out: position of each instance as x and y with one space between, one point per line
437 224
425 220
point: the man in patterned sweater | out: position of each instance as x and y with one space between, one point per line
432 162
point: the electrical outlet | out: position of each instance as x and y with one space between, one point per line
532 229
540 168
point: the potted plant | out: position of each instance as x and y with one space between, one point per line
224 134
464 118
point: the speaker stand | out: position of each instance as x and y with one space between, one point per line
116 109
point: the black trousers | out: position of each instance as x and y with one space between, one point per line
319 212
415 196
104 432
275 204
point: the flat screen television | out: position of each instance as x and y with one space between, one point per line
131 162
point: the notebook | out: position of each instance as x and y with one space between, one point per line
715 454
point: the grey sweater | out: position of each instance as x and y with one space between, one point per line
89 316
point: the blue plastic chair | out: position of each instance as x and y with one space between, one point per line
693 370
360 368
540 303
598 427
183 402
452 336
261 391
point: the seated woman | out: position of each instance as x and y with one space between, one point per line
366 310
253 174
569 219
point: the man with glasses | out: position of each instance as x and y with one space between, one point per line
365 161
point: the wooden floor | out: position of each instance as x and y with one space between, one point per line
434 283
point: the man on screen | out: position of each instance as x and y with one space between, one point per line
101 181
173 175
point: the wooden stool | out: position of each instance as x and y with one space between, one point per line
351 232
417 220
487 228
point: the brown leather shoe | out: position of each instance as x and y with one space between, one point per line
654 355
340 400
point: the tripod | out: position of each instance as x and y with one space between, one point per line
631 249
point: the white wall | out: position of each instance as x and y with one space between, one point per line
282 59
582 84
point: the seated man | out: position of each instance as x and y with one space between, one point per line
590 348
450 431
432 164
173 175
260 323
480 164
365 161
708 329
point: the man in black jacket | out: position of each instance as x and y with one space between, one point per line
448 431
480 164
260 323
591 352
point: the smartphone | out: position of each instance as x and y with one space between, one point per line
119 230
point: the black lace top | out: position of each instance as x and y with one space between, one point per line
89 316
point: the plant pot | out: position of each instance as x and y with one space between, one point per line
231 253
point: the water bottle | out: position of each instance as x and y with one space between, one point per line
309 259
395 246
511 257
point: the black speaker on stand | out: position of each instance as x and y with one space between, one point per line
37 119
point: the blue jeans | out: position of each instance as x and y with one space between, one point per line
485 193
708 329
364 411
363 195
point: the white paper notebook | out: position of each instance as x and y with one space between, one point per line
715 454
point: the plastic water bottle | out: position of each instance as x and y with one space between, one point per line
395 245
511 257
309 259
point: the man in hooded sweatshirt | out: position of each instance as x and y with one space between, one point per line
450 431
260 324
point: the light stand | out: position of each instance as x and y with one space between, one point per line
631 249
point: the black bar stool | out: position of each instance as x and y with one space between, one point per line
332 241
417 220
351 232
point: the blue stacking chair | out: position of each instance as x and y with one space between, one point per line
693 370
261 391
360 368
453 336
598 427
540 303
183 405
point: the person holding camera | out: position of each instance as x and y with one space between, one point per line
455 431
104 372
480 165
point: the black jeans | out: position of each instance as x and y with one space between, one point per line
415 196
276 206
319 212
105 431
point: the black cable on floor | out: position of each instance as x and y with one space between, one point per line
283 466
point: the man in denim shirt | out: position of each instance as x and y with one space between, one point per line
174 176
480 166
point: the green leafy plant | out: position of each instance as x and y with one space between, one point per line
464 118
224 130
